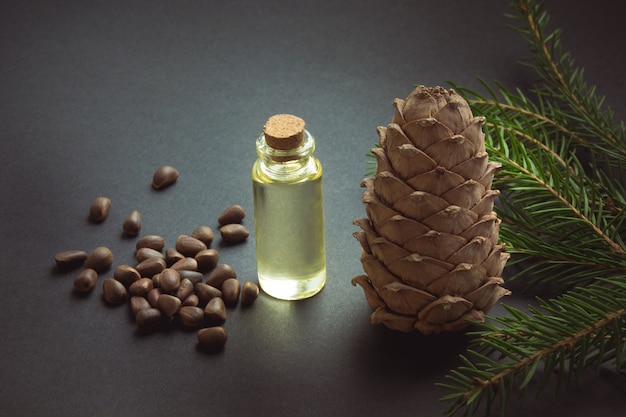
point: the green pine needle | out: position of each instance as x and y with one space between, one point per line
562 206
565 335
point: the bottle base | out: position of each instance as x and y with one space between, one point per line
292 289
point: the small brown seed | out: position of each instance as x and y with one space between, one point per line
113 290
215 311
172 256
164 176
192 300
204 234
151 241
86 280
186 264
150 267
191 316
126 274
212 339
153 297
188 245
185 289
141 287
232 214
137 304
206 292
169 304
132 223
249 293
230 291
234 233
170 280
220 274
70 258
149 318
99 209
193 276
156 280
146 253
207 259
100 259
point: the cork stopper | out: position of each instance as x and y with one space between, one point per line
284 131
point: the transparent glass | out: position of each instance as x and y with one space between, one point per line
289 220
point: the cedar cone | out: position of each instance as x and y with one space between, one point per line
429 243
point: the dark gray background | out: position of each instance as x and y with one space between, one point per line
94 96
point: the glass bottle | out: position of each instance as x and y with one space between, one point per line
288 210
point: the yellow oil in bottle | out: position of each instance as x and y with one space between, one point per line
289 229
288 211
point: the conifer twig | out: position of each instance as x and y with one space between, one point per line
564 223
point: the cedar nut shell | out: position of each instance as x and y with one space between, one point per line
100 259
114 292
232 214
234 233
86 280
164 176
99 209
212 339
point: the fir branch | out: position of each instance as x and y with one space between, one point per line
563 196
513 111
564 80
563 222
523 114
581 329
552 207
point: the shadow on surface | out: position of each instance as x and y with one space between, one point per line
389 353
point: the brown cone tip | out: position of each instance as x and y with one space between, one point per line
284 131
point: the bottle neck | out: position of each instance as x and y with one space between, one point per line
287 164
